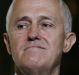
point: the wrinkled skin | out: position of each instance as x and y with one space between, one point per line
36 37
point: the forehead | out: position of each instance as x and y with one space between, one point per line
28 4
35 2
36 6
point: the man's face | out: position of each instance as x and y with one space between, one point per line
36 33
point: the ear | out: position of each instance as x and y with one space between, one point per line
70 40
7 43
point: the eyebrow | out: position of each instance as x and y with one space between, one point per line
24 18
51 18
45 18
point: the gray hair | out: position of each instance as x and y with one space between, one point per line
67 17
8 16
65 11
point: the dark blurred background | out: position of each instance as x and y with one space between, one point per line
70 61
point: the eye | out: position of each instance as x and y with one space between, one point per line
22 25
48 25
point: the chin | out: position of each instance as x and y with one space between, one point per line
32 58
33 62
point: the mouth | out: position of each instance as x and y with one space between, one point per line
40 47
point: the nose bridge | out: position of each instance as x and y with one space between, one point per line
33 31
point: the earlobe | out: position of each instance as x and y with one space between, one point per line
7 43
70 40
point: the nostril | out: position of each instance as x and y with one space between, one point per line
33 38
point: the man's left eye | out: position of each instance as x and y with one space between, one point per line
47 25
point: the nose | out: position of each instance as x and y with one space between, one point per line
33 33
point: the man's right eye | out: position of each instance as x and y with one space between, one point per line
21 26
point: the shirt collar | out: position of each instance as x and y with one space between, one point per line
15 74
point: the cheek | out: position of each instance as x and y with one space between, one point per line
54 37
17 42
55 41
56 44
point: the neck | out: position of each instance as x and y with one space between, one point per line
55 71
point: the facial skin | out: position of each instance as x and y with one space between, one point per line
36 37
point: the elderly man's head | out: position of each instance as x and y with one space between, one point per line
38 32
